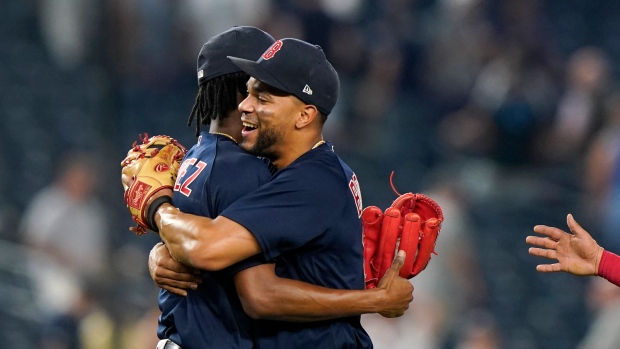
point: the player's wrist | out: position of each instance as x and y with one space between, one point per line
597 260
378 299
152 211
157 217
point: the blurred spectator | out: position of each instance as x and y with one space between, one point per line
65 224
86 325
344 10
347 55
376 118
478 330
578 114
281 24
142 333
205 18
460 38
602 175
67 27
510 99
469 131
604 302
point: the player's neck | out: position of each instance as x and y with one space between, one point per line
293 150
227 129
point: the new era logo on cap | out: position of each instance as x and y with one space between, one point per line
307 90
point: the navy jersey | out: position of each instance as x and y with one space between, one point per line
308 220
214 173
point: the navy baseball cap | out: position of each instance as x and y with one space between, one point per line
246 42
299 68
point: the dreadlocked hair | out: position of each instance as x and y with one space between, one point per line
216 98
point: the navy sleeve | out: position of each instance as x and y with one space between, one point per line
297 206
243 265
231 179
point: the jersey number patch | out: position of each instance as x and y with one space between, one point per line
183 188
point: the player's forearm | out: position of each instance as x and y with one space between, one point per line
302 305
291 300
180 233
204 243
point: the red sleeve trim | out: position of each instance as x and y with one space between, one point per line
609 268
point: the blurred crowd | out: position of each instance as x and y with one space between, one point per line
507 112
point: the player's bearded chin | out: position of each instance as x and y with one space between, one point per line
264 142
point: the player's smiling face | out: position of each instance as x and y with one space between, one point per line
268 118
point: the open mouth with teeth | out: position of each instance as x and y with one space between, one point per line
249 126
248 129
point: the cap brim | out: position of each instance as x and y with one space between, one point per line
256 71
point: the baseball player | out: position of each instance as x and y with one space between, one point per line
577 253
212 315
306 219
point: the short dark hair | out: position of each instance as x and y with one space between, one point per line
217 97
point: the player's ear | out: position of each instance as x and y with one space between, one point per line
307 115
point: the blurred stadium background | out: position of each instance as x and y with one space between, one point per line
506 111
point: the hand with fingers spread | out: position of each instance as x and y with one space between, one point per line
398 290
576 253
169 274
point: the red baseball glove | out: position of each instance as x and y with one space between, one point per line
411 224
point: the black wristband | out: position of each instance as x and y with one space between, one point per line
150 214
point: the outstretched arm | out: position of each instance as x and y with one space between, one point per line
576 253
267 296
264 295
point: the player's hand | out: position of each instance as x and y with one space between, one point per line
576 253
398 291
170 274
